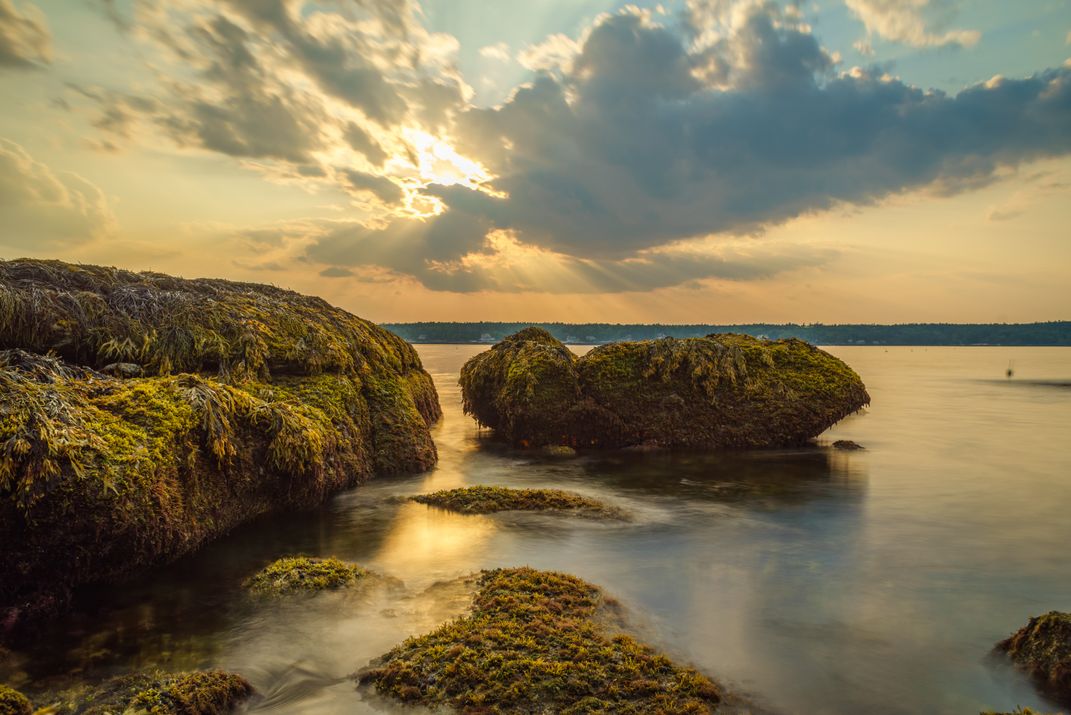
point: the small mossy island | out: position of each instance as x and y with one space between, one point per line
143 415
1042 648
12 702
304 574
488 500
208 692
719 392
538 642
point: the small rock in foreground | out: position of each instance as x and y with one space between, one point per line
1043 649
534 642
488 500
306 574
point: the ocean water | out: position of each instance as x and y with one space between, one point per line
814 581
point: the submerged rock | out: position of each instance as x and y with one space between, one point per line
252 399
210 692
12 702
488 500
847 445
1043 649
297 574
721 391
535 642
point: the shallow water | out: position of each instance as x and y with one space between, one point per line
817 581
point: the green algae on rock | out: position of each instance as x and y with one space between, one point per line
1043 649
487 500
721 391
12 702
297 574
535 642
210 692
250 399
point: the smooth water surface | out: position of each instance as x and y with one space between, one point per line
816 581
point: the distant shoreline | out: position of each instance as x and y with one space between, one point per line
1048 334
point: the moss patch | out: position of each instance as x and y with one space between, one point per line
306 574
534 642
210 692
12 702
1043 648
487 500
721 391
250 399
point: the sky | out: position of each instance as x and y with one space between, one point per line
714 161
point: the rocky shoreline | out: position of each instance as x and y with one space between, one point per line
246 399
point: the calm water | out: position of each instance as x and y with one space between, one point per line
816 581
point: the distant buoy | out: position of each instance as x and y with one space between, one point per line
1010 371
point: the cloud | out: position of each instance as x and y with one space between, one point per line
499 262
25 42
919 23
553 53
498 51
379 186
46 209
650 139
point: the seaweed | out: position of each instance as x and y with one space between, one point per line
296 574
1042 648
245 399
723 391
208 692
12 702
535 642
487 500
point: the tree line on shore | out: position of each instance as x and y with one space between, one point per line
1055 333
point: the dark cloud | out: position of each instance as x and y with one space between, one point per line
380 186
25 42
360 141
336 272
644 142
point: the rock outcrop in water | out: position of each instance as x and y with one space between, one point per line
719 392
233 400
304 574
538 642
1043 649
490 500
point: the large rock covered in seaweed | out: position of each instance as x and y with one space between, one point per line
721 391
523 387
252 399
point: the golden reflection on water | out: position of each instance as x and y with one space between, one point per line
423 538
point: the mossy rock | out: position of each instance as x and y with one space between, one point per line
536 642
251 399
304 574
12 702
1042 648
488 500
209 692
522 387
719 392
